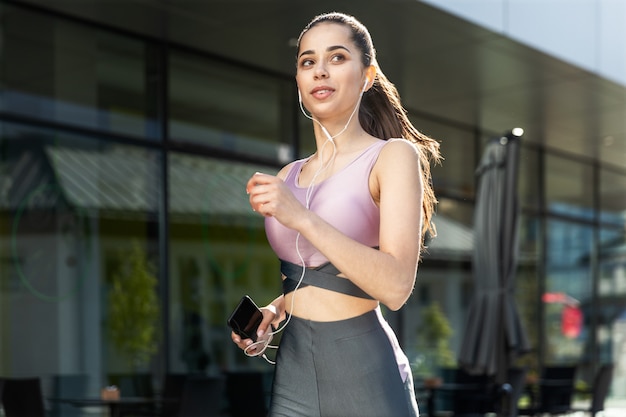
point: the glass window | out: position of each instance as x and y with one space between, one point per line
527 283
613 198
610 310
569 187
454 177
218 253
81 255
443 292
58 71
529 177
230 108
568 291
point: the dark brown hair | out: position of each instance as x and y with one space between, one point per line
381 113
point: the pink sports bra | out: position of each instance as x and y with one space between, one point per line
343 200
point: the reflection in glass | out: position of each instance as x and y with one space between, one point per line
568 284
569 187
443 291
527 284
613 198
218 253
454 176
72 210
529 181
611 316
59 71
229 108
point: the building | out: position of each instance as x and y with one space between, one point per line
128 130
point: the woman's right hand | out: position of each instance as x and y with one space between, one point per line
264 332
269 196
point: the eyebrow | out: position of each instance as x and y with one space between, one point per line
329 49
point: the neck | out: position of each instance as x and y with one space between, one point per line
338 134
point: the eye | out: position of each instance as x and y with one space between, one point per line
306 62
337 58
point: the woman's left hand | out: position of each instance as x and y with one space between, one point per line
270 197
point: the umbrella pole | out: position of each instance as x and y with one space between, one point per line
503 388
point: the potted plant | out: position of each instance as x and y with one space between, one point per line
134 307
433 346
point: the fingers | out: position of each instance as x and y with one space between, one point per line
258 179
258 193
242 344
268 317
249 347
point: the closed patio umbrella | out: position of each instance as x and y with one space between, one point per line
494 335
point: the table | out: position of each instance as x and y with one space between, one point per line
114 406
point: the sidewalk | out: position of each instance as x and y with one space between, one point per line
612 408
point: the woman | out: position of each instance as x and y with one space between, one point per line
358 207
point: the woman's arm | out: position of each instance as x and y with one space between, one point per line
387 274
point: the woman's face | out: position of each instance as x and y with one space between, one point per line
330 74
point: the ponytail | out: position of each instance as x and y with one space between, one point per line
381 115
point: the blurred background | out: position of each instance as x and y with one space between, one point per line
129 128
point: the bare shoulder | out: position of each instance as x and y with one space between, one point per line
398 154
282 174
399 145
397 168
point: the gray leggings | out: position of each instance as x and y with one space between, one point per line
339 369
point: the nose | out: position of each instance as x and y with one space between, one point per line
320 71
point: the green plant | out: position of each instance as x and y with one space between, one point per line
134 307
433 344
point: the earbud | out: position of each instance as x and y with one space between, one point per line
299 96
367 80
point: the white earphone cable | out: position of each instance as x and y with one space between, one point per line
309 193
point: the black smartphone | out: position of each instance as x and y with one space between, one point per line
246 318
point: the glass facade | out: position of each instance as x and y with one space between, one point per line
58 72
126 237
217 253
228 108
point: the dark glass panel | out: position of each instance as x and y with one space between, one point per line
55 70
569 187
81 255
218 253
613 198
568 286
229 108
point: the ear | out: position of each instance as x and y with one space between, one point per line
370 75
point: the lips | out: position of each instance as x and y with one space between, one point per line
322 92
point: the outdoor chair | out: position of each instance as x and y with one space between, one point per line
22 397
599 390
173 387
463 394
246 394
554 392
68 386
202 396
